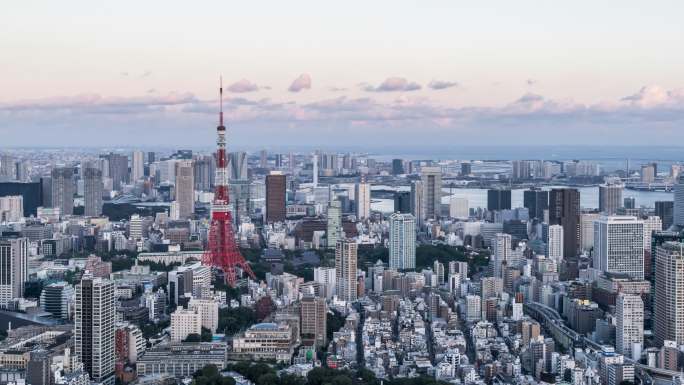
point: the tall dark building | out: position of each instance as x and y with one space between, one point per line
498 199
536 201
516 228
63 190
564 210
92 186
276 189
118 169
151 157
665 210
402 202
38 368
31 193
397 167
466 168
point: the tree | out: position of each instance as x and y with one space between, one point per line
334 322
267 379
193 337
206 335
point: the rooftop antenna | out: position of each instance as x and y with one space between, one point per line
221 100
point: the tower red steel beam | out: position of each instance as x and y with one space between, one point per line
222 250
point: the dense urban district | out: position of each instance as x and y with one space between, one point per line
221 268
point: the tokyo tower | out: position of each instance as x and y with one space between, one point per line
222 251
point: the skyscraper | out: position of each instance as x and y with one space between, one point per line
402 241
57 298
313 312
458 208
629 327
118 169
94 327
678 207
63 189
345 269
536 201
501 252
648 173
669 293
276 189
92 187
205 168
334 223
137 166
619 245
185 188
13 268
610 198
417 201
237 165
263 159
362 195
554 245
564 210
498 199
665 210
466 168
431 177
397 166
402 202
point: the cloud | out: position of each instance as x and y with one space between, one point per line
441 84
243 86
336 89
303 82
124 73
531 82
654 96
146 74
392 84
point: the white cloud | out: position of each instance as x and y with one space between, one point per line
303 82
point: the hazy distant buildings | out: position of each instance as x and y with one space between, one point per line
678 206
137 166
334 223
649 173
63 189
276 190
402 241
362 196
417 201
11 208
118 169
397 167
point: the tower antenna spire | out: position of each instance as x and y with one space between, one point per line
221 100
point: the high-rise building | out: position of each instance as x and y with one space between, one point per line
629 325
402 202
678 207
536 201
63 189
237 165
669 293
7 168
313 313
587 230
137 166
205 168
11 208
276 189
345 269
118 170
94 317
208 309
185 189
13 268
629 203
665 210
564 210
501 252
652 224
554 245
649 173
402 241
610 198
619 245
466 168
417 201
185 322
326 276
334 223
33 195
397 167
57 298
458 208
362 195
92 187
498 199
431 177
263 159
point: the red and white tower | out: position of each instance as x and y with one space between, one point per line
222 251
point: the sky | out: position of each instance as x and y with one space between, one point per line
353 73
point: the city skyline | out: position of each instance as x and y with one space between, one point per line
493 74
